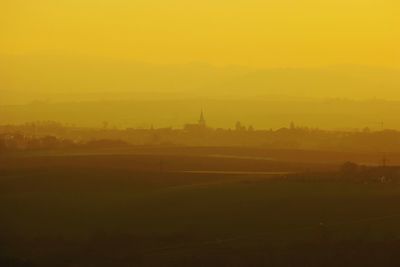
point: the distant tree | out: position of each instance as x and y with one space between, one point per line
239 126
349 168
366 130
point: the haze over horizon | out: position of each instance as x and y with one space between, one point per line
59 79
201 52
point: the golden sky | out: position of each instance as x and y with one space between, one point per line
252 33
95 50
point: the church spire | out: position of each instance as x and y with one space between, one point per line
202 121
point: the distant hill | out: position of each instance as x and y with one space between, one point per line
66 78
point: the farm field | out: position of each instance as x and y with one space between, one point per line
170 210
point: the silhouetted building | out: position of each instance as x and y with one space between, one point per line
202 121
239 126
197 127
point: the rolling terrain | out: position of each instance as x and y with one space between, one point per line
166 209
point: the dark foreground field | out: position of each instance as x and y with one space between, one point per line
146 211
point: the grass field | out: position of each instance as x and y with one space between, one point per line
126 210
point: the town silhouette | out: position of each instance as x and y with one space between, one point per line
177 133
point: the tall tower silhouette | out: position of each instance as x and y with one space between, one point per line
202 121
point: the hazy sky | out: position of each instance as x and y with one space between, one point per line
262 33
44 42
